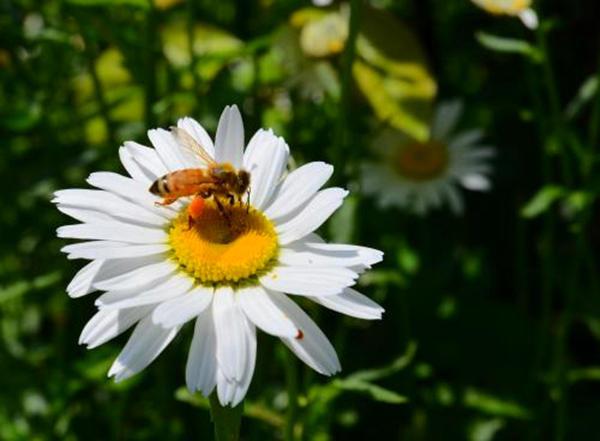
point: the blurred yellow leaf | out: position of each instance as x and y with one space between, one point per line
392 73
110 70
325 36
166 4
214 47
306 15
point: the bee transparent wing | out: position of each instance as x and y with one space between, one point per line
191 145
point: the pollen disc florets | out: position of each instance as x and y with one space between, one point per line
421 161
218 250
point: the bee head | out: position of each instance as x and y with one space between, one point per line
242 181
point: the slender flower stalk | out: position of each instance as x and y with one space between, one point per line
227 420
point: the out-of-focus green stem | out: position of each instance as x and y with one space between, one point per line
595 117
291 378
99 93
342 131
149 71
227 420
191 51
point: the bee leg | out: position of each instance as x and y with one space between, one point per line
231 199
166 201
247 201
222 211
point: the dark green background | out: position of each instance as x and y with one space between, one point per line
504 309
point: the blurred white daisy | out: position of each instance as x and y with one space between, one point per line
517 8
229 275
419 176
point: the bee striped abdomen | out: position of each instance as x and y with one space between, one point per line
180 183
161 186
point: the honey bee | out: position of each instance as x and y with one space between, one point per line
221 181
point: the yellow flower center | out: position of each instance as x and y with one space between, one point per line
421 161
224 248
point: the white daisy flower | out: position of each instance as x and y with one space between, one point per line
516 8
228 273
419 176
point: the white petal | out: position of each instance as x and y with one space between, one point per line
241 387
529 18
146 158
168 149
135 170
313 348
465 139
145 344
170 288
107 324
195 129
229 143
445 119
137 277
264 313
201 367
266 159
454 198
127 189
299 186
476 182
85 215
116 231
229 326
225 388
110 204
181 309
352 303
309 281
312 216
305 253
82 283
112 250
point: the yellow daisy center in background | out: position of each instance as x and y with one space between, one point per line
223 248
421 161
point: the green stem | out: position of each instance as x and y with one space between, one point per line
149 71
291 377
595 118
227 420
192 53
99 93
562 339
347 63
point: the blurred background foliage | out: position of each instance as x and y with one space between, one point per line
492 319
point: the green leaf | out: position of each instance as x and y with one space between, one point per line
542 201
392 73
378 393
485 430
584 374
143 4
585 94
397 365
508 45
492 405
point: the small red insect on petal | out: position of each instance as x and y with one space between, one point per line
299 335
196 208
